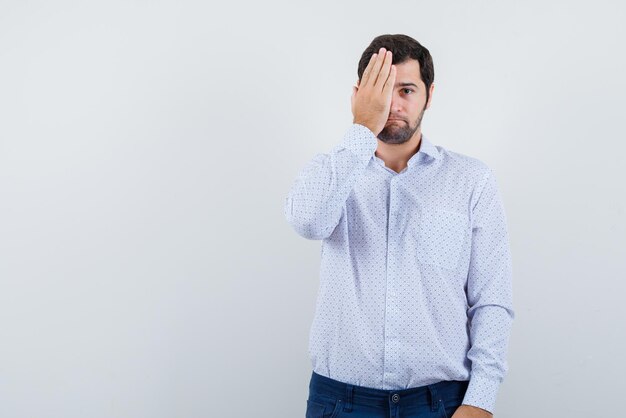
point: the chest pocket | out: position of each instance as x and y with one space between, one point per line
440 237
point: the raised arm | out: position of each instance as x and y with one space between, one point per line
315 201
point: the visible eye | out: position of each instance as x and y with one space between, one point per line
407 89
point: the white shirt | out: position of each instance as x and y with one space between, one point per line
416 276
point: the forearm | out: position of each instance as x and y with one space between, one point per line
489 334
315 201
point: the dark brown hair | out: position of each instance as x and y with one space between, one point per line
403 48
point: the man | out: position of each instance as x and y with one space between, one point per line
414 308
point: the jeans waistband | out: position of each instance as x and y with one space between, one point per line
349 393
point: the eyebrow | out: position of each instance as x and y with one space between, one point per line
407 84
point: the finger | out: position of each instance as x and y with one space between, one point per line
368 69
374 80
383 75
391 80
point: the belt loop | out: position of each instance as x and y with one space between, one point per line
349 392
434 398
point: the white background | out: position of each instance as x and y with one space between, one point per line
146 148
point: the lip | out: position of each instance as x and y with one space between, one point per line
397 120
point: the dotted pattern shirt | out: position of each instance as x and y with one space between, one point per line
415 278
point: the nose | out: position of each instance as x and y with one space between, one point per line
396 98
395 104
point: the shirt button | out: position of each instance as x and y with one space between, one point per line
395 398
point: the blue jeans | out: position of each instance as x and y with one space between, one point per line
329 398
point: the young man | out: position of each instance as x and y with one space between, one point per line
414 308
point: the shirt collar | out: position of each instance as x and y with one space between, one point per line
427 148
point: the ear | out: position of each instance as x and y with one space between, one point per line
430 95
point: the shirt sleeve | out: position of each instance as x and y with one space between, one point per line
489 295
315 201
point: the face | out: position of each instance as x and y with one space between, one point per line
408 104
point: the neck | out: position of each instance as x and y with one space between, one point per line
396 156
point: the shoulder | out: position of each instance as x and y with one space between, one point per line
463 164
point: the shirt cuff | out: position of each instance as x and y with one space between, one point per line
482 392
361 141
